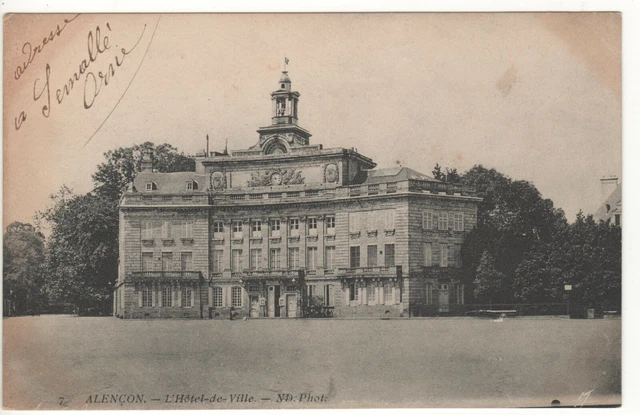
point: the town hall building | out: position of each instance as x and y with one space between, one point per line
287 228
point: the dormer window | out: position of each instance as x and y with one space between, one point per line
150 186
192 185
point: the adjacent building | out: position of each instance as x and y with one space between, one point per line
287 228
611 209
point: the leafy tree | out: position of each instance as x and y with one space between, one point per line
23 251
449 175
512 218
82 260
437 173
489 284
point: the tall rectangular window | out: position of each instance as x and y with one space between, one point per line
167 261
274 258
443 221
218 229
166 230
371 293
371 220
147 300
428 254
330 257
353 292
390 220
186 261
236 260
294 227
458 222
294 258
389 255
312 224
167 296
354 256
372 255
457 255
217 261
444 255
312 258
388 293
328 296
217 296
275 227
147 229
331 225
429 294
256 228
147 261
256 259
186 296
236 296
616 219
237 229
354 222
427 220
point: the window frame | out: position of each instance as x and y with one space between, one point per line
236 293
330 225
354 256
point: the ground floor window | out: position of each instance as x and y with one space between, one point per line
147 300
371 293
167 295
328 295
186 296
217 296
236 296
388 293
429 294
353 292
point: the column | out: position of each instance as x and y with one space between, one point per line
153 294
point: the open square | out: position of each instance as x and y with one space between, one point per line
436 362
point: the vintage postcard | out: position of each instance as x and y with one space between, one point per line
312 211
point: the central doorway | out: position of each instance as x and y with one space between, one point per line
255 306
292 305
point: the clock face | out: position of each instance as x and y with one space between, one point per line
276 178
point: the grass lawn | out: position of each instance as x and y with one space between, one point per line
439 362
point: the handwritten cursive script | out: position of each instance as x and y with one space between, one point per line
97 44
31 51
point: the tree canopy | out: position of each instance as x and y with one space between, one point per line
524 250
23 255
82 255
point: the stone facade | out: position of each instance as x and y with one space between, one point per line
288 229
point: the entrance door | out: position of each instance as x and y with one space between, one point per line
271 302
255 306
443 298
292 305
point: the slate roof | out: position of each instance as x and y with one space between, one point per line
391 175
612 205
171 182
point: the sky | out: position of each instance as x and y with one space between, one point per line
536 96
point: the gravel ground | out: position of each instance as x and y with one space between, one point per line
54 362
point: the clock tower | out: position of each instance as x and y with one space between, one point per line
284 131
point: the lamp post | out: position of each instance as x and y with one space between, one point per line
567 287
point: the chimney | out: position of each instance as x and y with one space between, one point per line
147 163
607 185
207 155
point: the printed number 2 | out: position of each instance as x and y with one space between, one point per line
62 402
